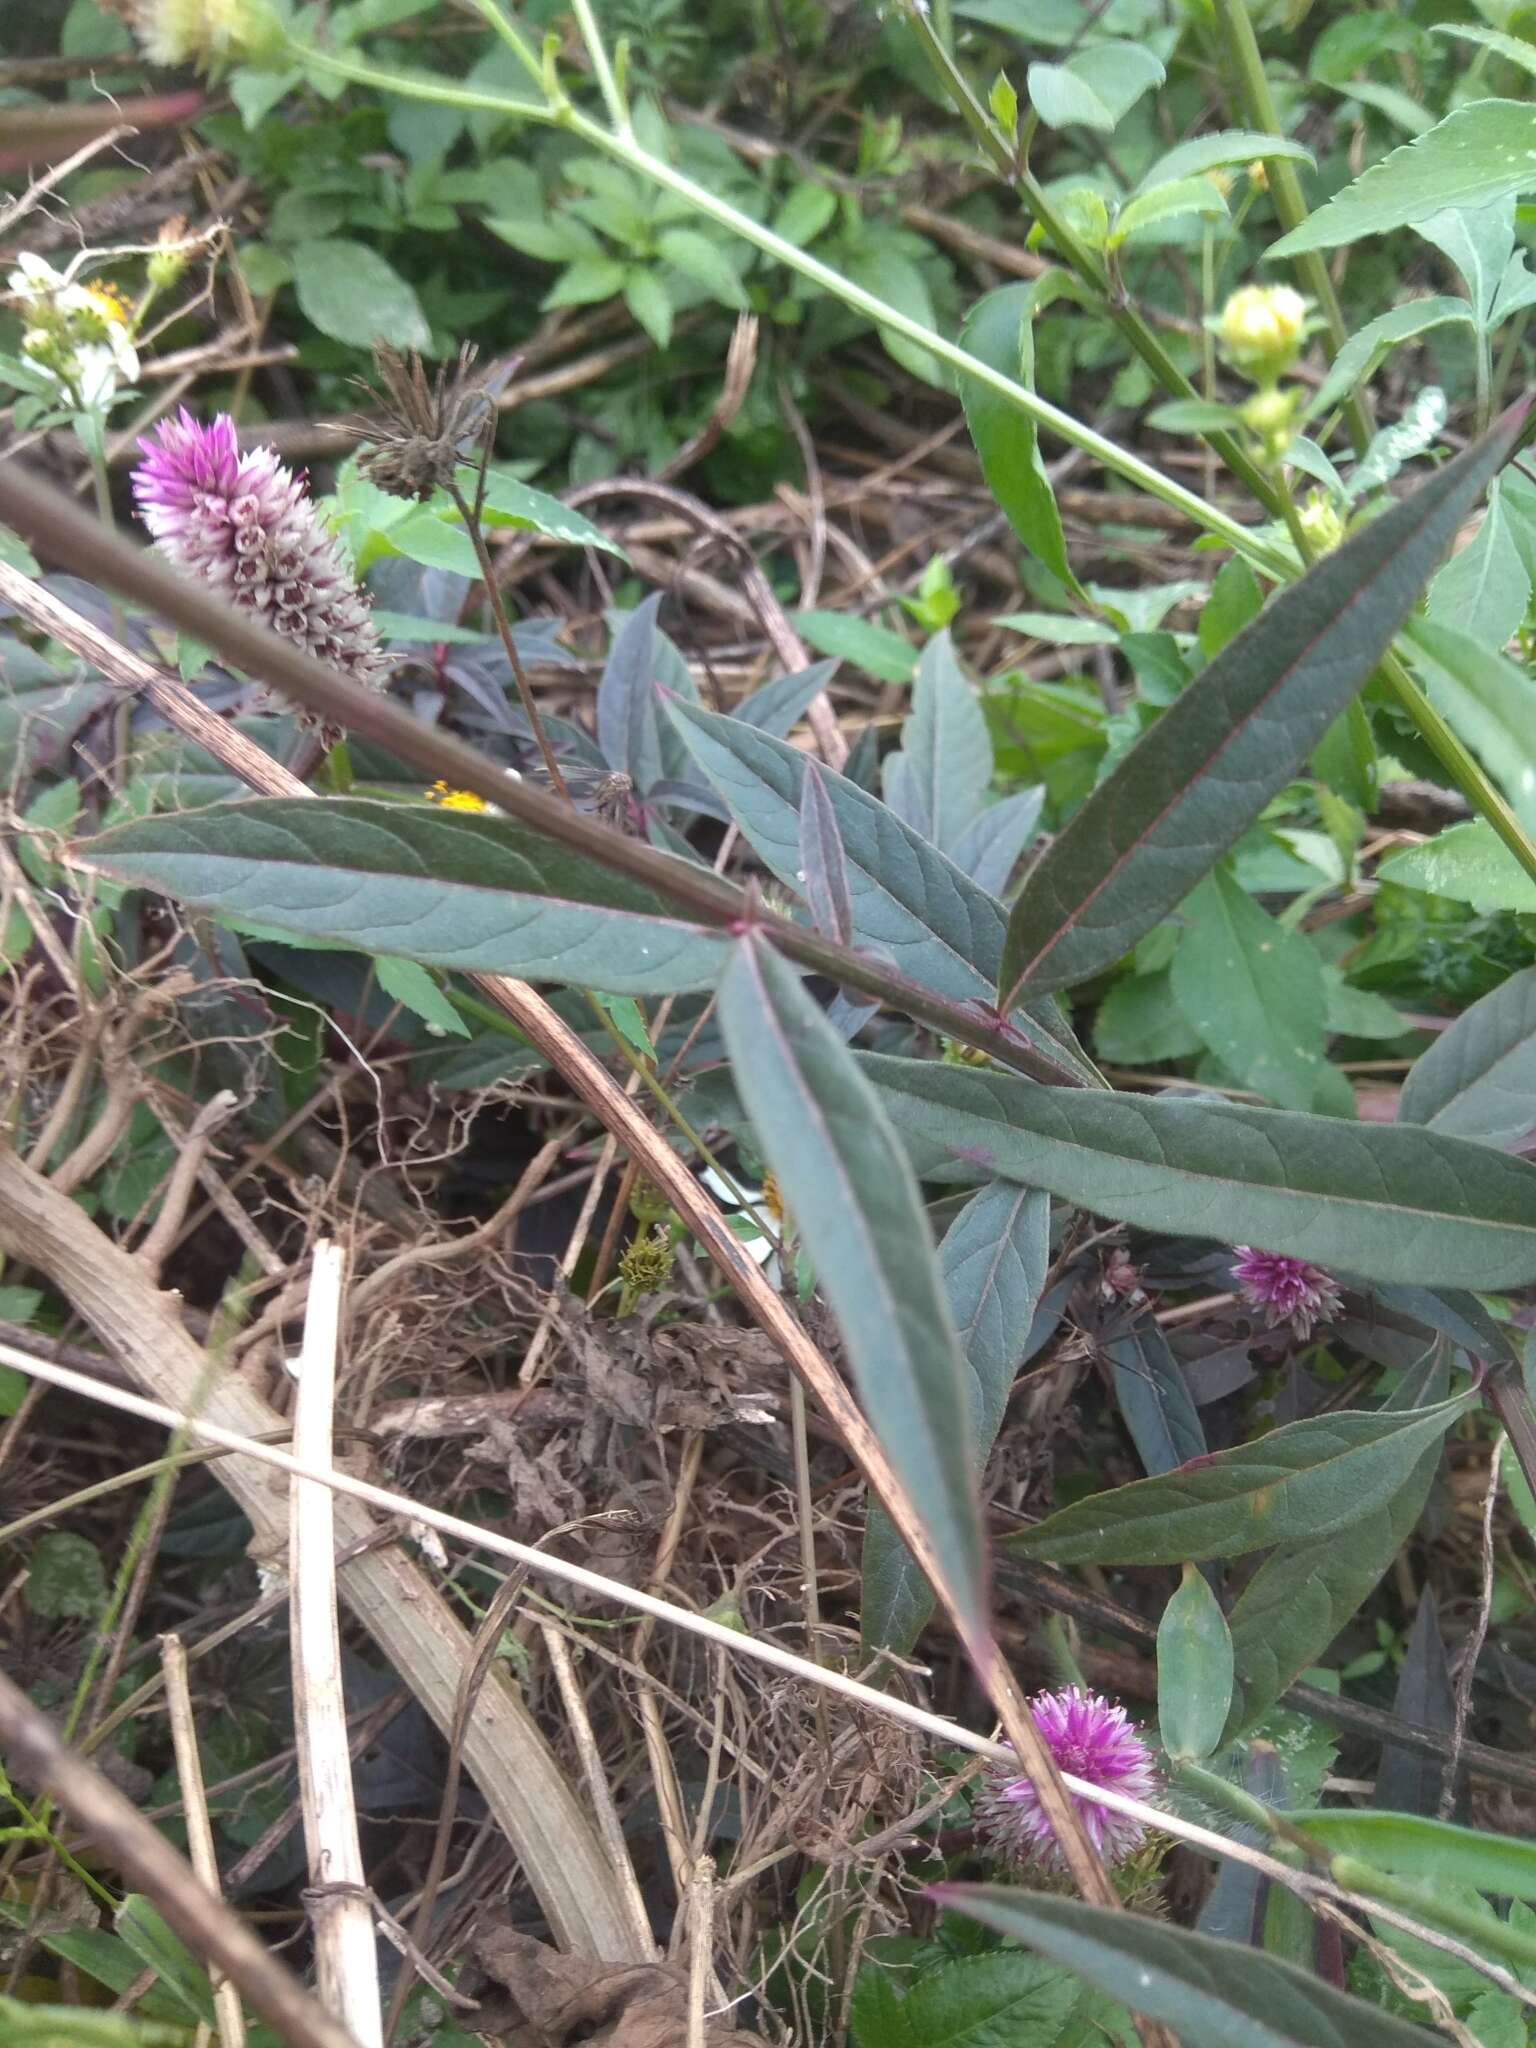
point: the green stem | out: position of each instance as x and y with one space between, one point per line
613 99
1077 255
1462 767
1483 1931
1258 106
627 150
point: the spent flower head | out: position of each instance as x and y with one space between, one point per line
207 33
244 524
1285 1290
428 427
1093 1739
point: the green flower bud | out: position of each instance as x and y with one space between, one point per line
1262 328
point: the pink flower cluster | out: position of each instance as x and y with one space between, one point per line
1093 1739
1285 1290
245 525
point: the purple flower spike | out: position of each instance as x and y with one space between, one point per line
1090 1738
244 524
1286 1290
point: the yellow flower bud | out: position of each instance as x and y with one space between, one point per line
1258 175
1262 328
1322 523
207 33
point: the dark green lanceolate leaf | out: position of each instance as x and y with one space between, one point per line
1194 1669
946 749
1300 1598
1478 153
451 888
856 1206
992 1265
1195 780
1306 1480
1478 1079
909 901
1155 1402
1212 1993
823 868
1409 1845
1407 1782
999 333
627 719
1385 1201
1253 990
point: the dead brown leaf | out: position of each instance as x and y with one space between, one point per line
567 1999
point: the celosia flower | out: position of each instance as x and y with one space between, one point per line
1093 1739
244 524
1286 1290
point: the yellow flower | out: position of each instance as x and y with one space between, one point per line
1258 175
455 799
206 32
1262 328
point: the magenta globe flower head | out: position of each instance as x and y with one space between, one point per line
1093 1739
1285 1290
244 524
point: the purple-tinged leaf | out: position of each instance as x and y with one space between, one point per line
1197 778
823 864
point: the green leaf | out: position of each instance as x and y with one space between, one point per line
66 1579
908 898
999 332
1194 1670
1409 1845
1479 152
1154 1398
1003 2000
1062 629
1300 1482
1478 1079
349 292
806 211
1468 863
450 888
1167 202
992 1265
706 262
1387 1201
1484 588
24 2024
646 297
1139 1022
1213 1994
1214 152
142 1926
1253 990
410 985
426 536
1489 701
875 649
1365 350
511 502
853 1200
1194 416
1235 601
946 746
1095 88
1195 780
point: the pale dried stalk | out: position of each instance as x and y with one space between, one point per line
543 1026
387 1592
227 2008
701 1942
1307 1885
346 1954
137 1848
609 1825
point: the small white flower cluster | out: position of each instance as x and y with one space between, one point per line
78 336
